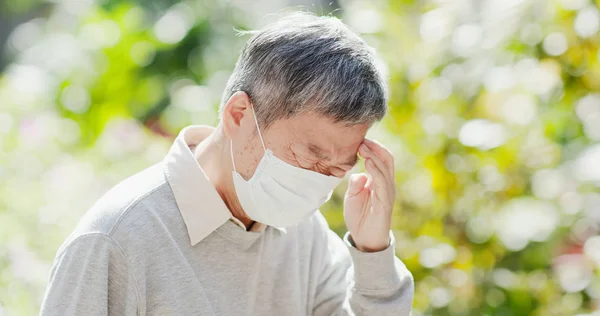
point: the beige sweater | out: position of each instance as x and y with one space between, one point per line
162 243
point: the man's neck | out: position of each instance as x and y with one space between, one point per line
211 154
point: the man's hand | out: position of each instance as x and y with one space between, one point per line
370 200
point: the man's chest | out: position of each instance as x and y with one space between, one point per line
221 279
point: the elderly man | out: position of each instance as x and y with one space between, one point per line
228 223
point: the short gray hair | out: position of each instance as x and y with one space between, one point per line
303 63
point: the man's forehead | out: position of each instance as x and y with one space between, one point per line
335 147
323 137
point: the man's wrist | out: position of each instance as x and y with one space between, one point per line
374 270
376 248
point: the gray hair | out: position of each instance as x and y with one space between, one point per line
303 63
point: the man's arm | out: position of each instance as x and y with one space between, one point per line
90 276
352 282
380 284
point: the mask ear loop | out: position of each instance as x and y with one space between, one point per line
231 152
259 135
258 129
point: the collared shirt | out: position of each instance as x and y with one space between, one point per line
162 242
183 172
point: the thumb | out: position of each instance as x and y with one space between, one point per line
356 184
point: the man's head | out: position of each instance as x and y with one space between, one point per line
314 87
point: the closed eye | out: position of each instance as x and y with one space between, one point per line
302 162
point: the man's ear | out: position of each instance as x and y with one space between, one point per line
235 110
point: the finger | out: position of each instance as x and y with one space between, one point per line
382 198
369 154
356 184
380 181
381 151
377 201
389 187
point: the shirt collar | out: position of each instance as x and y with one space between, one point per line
200 205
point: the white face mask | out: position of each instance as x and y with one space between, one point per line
279 194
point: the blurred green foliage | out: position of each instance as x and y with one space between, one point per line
494 122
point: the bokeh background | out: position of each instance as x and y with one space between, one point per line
494 121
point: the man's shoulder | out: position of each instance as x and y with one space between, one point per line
128 207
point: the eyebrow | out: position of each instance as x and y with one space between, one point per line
318 152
